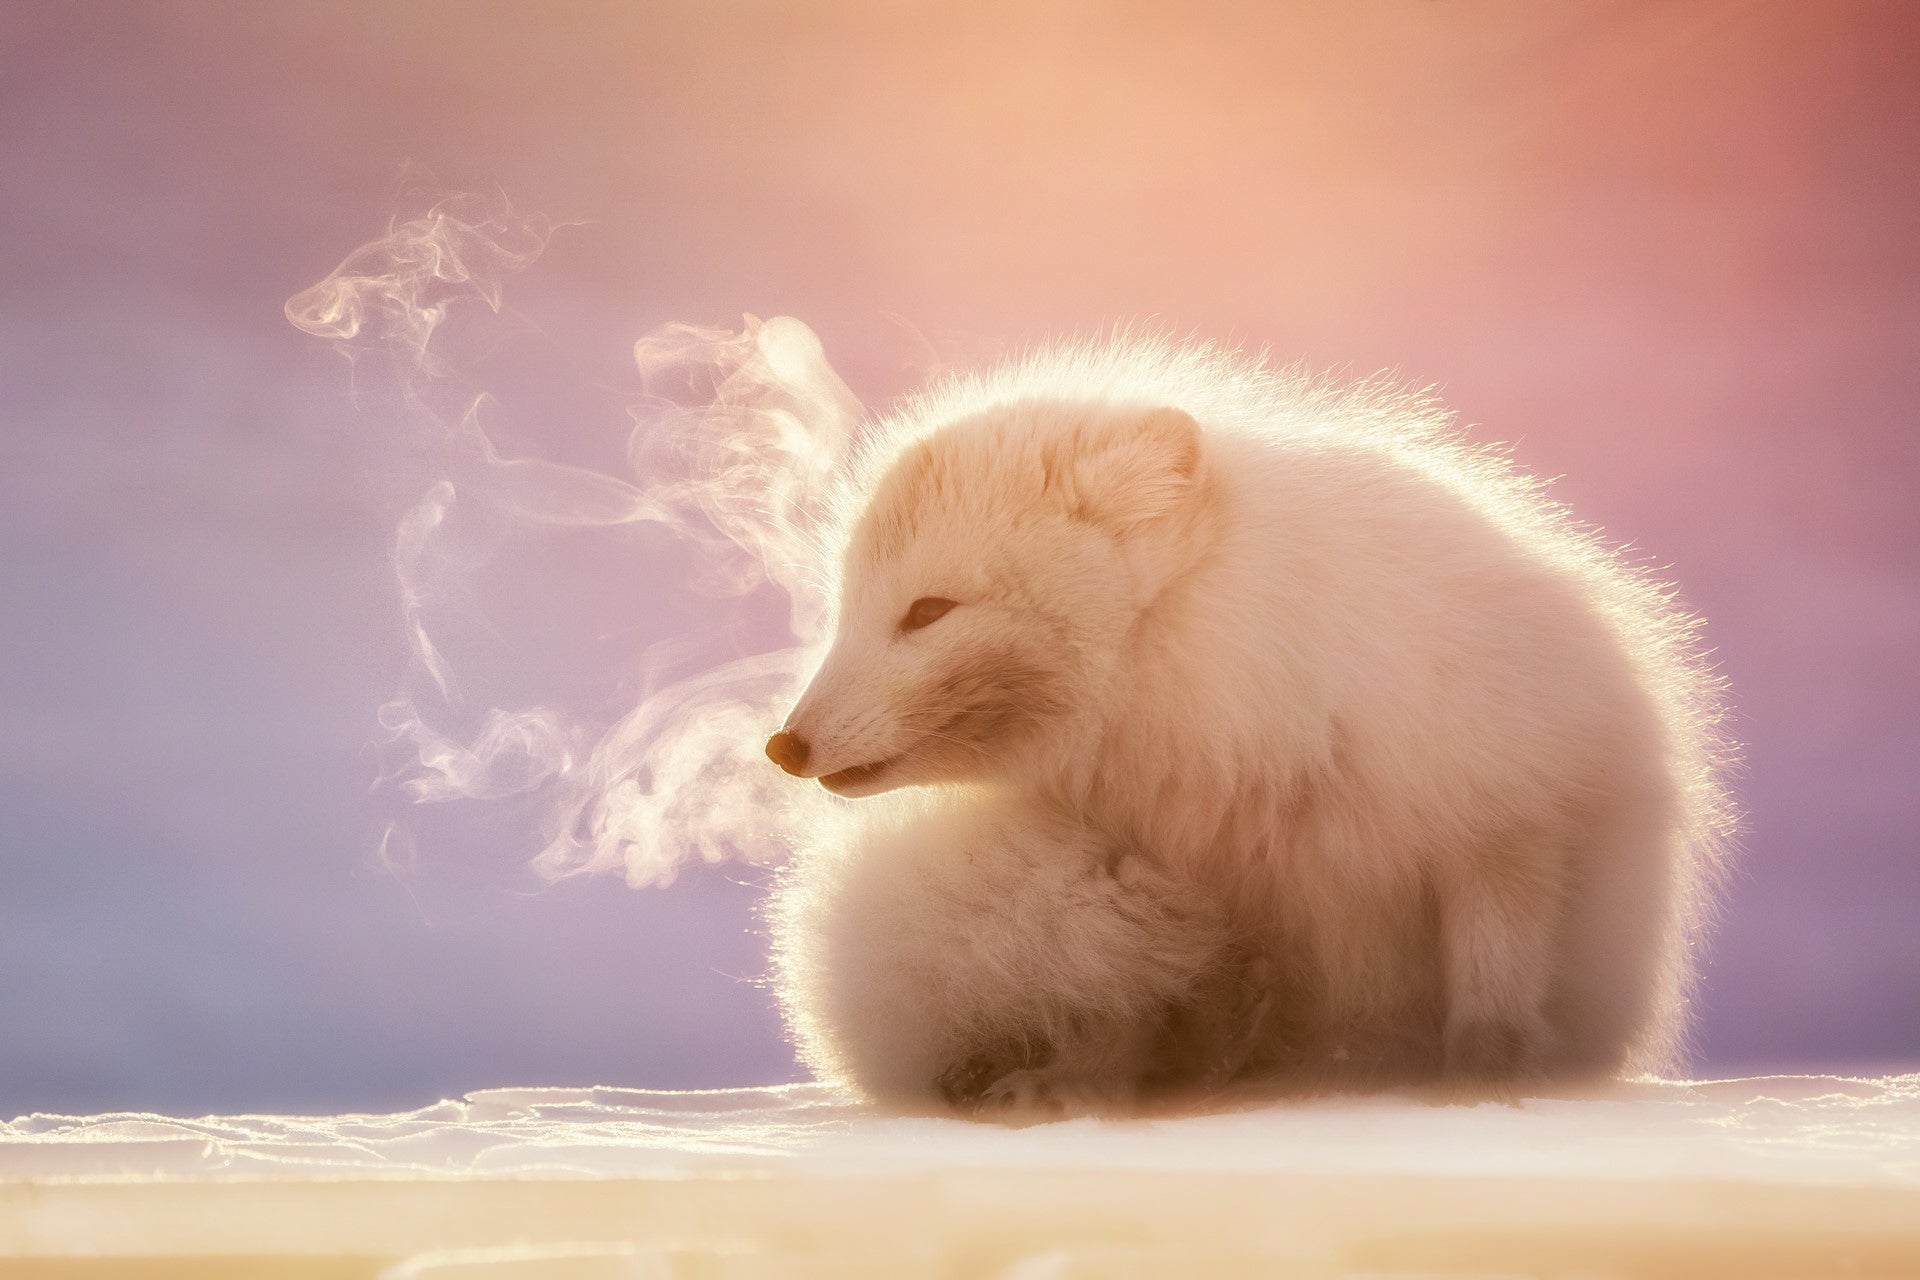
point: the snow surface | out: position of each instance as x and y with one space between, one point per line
1769 1174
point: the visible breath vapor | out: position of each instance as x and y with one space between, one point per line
735 441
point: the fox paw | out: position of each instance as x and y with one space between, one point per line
1024 1094
1487 1049
987 1089
966 1084
1488 1060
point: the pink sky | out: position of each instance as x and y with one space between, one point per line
1672 251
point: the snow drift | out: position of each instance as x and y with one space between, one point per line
1768 1176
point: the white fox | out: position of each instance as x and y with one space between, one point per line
1257 730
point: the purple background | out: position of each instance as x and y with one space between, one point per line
1671 250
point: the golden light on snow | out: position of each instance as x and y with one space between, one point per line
1764 1177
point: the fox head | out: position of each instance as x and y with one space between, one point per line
988 590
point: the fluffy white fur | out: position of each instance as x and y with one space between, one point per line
1275 735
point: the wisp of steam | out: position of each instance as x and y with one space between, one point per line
735 439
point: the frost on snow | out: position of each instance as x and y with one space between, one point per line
1771 1175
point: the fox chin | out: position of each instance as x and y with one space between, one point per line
1215 727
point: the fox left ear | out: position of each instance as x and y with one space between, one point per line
1132 472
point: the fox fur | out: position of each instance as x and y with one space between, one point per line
1267 733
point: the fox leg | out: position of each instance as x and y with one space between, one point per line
1498 922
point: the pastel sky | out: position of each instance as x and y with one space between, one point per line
1670 250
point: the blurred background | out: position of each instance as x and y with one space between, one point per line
1671 250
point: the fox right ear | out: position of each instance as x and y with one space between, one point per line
1129 473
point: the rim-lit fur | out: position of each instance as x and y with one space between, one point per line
1277 733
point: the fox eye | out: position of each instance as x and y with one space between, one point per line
925 611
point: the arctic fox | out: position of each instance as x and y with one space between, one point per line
1254 729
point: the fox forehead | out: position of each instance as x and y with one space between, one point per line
975 474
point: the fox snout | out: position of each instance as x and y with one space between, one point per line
797 756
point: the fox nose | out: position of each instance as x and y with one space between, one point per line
788 750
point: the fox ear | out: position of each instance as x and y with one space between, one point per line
1128 473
